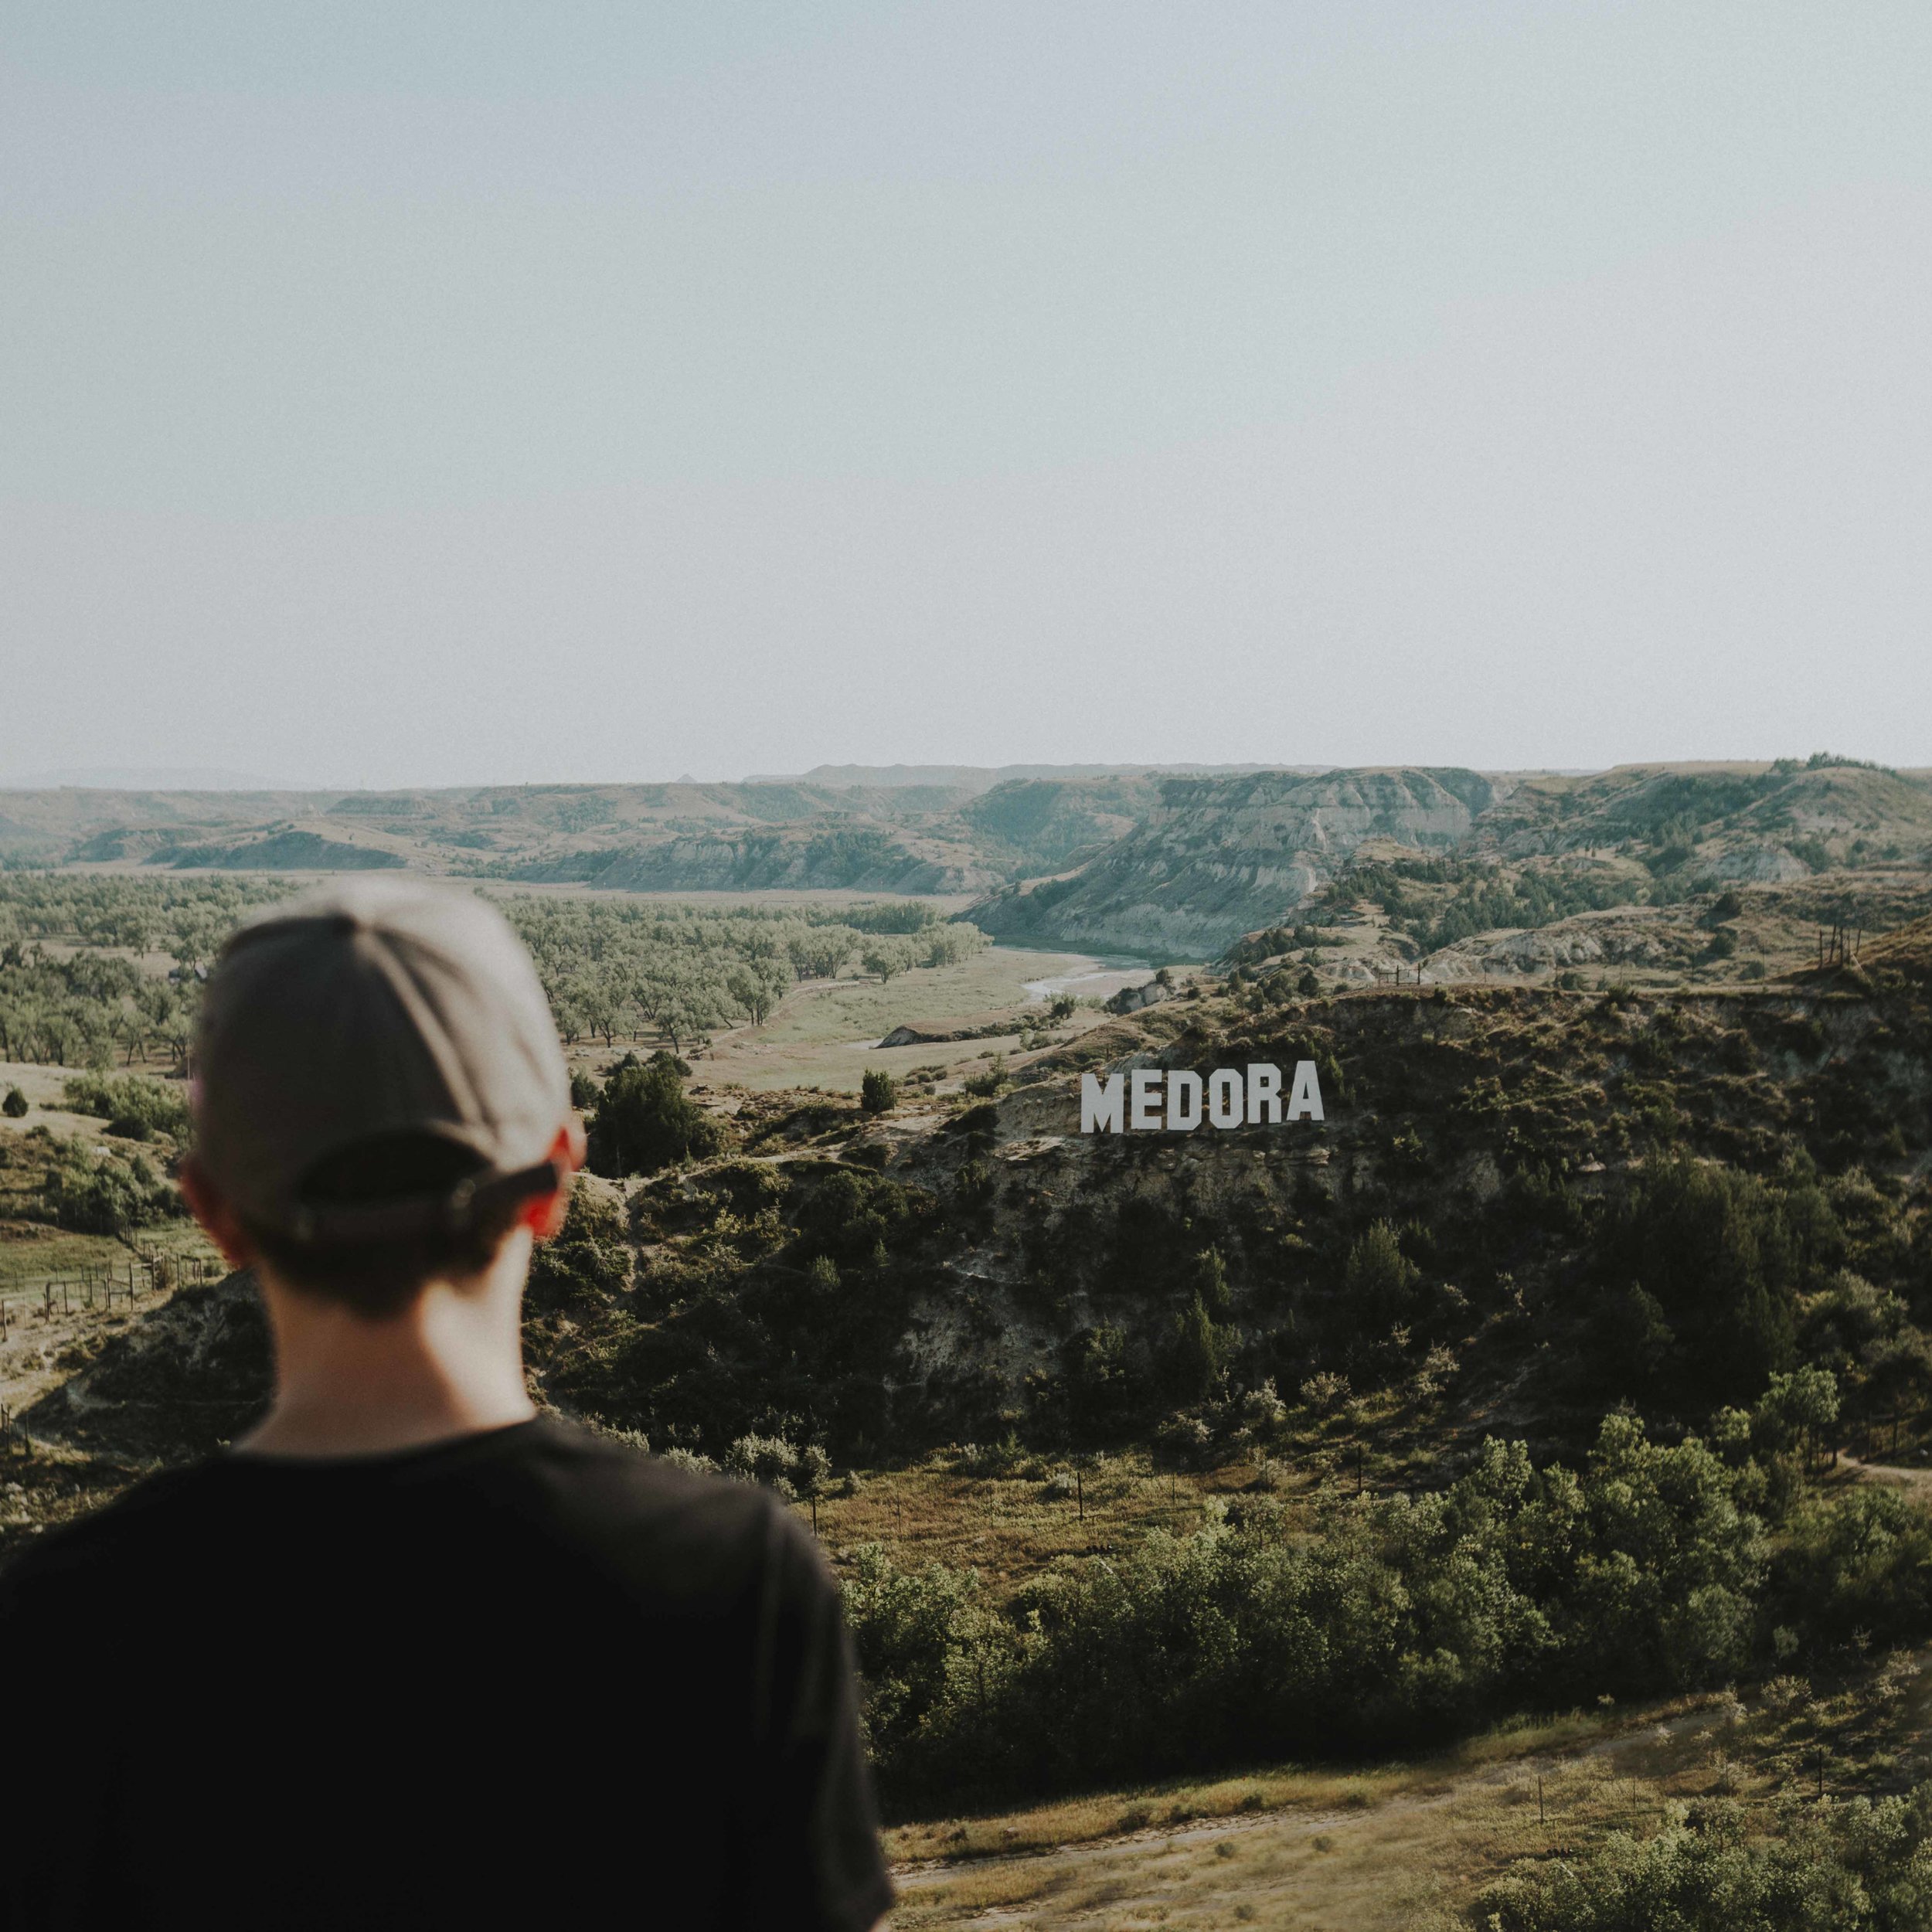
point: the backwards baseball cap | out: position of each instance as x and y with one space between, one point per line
372 1009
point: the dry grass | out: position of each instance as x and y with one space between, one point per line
1406 1844
1008 1528
822 1034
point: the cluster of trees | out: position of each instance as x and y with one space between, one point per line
614 968
91 1009
73 989
1859 1866
186 919
1653 1567
76 990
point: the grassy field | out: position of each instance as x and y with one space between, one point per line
1011 1524
824 1035
1407 1844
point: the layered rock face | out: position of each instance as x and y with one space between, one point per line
1219 857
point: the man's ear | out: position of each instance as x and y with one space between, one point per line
544 1215
218 1219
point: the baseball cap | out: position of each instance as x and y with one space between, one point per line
367 1009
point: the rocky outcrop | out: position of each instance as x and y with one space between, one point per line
1134 999
1219 857
939 1032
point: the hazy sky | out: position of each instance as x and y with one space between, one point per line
435 392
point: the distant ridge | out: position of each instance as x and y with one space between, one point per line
983 777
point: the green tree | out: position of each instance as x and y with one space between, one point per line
1379 1279
811 1473
644 1119
1211 1278
1201 1350
887 957
1723 1254
756 987
1797 1411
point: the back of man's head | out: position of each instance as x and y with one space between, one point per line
378 1086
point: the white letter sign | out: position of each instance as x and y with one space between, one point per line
1101 1107
1264 1097
1304 1103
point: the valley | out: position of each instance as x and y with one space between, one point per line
1234 1524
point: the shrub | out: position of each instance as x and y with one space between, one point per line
134 1108
105 1196
589 1259
14 1105
770 1459
794 1473
1325 1391
876 1093
986 1085
1714 1868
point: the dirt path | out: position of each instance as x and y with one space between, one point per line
1918 1481
1353 1858
1650 1741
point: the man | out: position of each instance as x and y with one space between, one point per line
407 1654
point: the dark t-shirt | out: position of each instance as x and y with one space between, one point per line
526 1677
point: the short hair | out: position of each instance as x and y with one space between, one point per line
380 1277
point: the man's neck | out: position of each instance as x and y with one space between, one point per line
449 1364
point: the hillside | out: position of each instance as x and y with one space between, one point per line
958 1271
1499 856
1119 860
1218 857
1551 1326
1761 823
899 836
978 778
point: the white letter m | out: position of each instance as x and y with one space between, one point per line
1103 1109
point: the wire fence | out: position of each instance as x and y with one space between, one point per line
145 1272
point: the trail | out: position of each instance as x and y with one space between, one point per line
1297 1821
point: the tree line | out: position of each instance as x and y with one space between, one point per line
1654 1566
81 984
634 970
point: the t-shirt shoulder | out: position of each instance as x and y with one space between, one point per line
139 1518
697 1533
